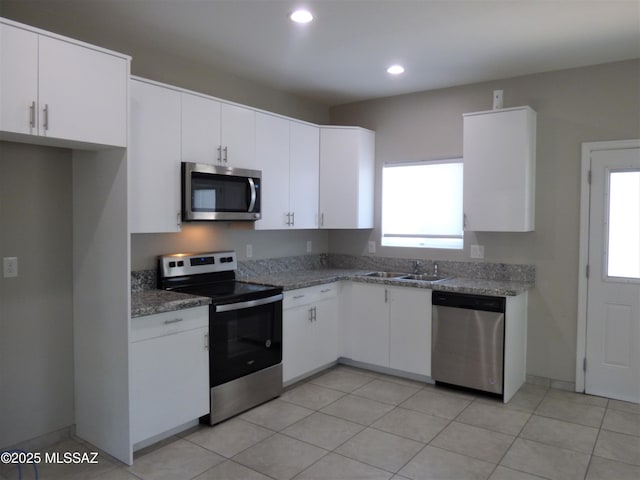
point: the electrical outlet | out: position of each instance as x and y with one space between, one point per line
249 250
10 267
372 246
309 246
477 251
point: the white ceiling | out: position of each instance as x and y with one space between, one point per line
343 54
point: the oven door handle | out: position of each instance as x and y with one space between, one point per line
251 303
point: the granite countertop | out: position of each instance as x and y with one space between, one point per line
150 302
308 278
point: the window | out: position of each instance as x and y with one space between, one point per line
624 224
422 204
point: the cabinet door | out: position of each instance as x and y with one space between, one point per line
238 136
272 143
304 178
499 170
154 159
83 93
296 335
410 330
325 332
18 80
200 129
346 177
169 382
370 323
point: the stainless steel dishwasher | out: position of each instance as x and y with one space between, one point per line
467 341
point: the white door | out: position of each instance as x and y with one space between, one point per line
613 290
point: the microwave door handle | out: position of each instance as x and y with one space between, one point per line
252 202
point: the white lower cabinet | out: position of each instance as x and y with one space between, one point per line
310 329
390 327
369 329
169 371
410 330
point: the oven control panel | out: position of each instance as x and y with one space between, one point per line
179 264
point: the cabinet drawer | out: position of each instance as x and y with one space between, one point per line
306 296
167 323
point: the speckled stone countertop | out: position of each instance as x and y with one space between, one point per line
308 278
150 302
302 271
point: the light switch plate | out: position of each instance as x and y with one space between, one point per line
372 246
10 267
309 246
249 250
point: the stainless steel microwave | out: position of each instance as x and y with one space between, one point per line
211 192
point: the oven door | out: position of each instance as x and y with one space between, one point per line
219 193
245 337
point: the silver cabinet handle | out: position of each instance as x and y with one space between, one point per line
326 290
32 115
206 341
219 153
225 154
175 320
386 296
178 219
45 123
322 219
289 219
298 296
315 314
293 218
311 314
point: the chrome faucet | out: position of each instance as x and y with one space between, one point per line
416 266
435 268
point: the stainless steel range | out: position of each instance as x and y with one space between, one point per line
245 329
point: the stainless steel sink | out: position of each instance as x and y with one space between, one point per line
386 275
425 277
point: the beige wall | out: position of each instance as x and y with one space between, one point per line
222 236
574 106
36 310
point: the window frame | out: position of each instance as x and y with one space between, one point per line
457 241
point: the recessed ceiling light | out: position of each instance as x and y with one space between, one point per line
395 69
301 16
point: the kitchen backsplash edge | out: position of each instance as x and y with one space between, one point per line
142 280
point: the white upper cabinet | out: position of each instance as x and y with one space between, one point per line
288 155
57 90
272 145
499 170
238 136
200 129
154 159
217 133
346 177
304 171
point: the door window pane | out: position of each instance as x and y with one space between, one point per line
623 250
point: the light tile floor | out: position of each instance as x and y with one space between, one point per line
348 424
